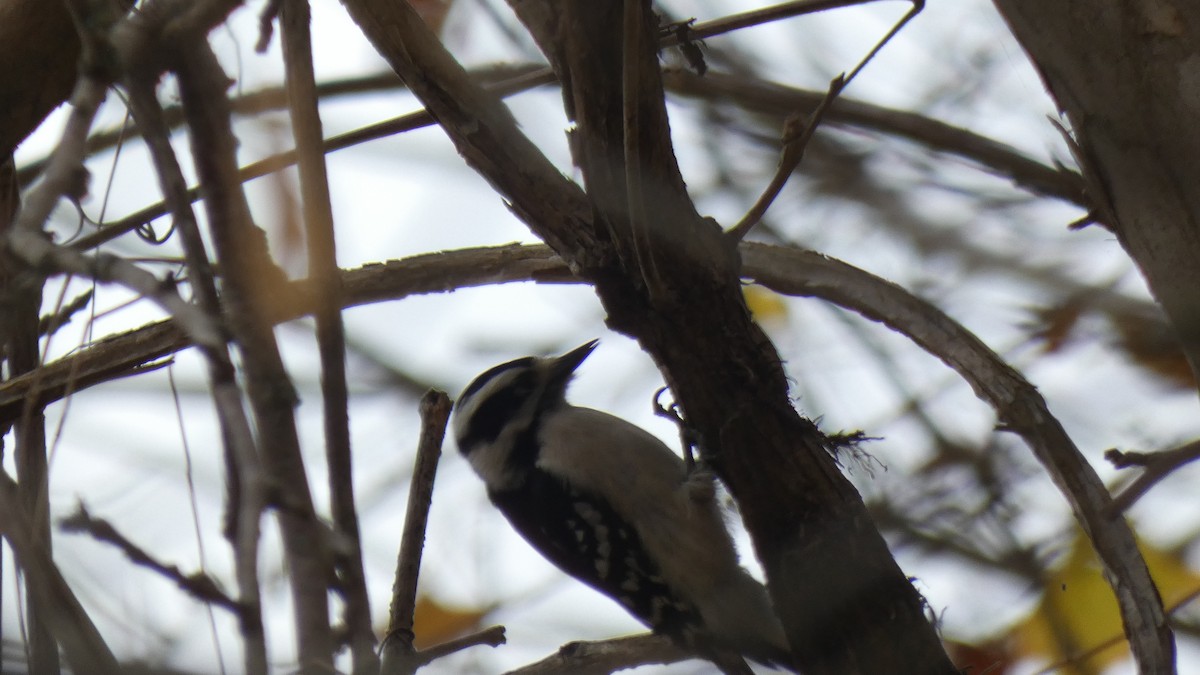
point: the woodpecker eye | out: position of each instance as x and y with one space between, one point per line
498 409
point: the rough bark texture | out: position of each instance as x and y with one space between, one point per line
1127 77
844 602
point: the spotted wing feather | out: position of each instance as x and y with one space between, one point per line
596 546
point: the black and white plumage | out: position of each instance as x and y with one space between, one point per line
611 505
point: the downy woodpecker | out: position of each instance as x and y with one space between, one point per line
611 505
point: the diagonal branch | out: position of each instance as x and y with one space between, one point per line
142 52
1019 407
82 644
250 279
484 131
200 586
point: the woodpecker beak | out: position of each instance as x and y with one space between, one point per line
567 363
562 367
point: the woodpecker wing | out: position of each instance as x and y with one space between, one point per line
596 546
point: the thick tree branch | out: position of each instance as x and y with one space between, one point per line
1018 406
607 656
120 355
674 285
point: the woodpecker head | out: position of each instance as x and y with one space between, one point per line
496 416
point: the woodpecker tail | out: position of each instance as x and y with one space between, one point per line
740 618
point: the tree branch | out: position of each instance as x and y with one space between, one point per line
1157 465
200 586
607 656
1019 407
294 18
66 619
143 53
398 655
250 280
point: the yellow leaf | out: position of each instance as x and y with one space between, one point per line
766 306
1077 619
435 623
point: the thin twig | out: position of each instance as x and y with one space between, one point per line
607 656
198 585
397 654
1157 465
492 637
795 141
796 138
50 323
758 17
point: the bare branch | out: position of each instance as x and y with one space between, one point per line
795 140
492 637
143 49
607 656
82 644
294 19
758 17
118 355
398 656
1158 465
199 585
251 279
1019 407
